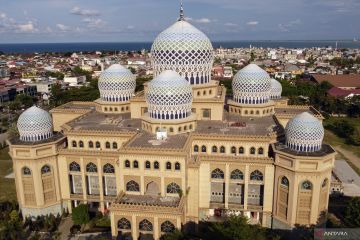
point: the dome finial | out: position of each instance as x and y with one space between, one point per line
182 17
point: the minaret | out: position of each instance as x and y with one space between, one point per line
182 17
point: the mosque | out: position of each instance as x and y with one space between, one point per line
179 152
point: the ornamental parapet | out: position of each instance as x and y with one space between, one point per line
244 159
147 203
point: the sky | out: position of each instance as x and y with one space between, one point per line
38 21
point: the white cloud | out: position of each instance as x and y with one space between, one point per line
229 24
8 24
130 27
26 27
286 27
84 12
63 27
200 20
252 23
94 22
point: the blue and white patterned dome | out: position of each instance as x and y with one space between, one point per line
251 85
169 96
304 133
116 84
35 124
276 89
184 49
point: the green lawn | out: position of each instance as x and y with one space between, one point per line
333 140
7 186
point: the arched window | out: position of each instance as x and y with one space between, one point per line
97 144
136 164
179 129
45 169
108 168
256 176
74 144
237 175
203 148
91 144
261 151
171 129
214 149
132 186
127 163
324 183
196 148
306 185
241 150
124 224
146 225
81 144
91 167
233 149
114 145
173 188
167 227
285 182
222 149
26 171
156 165
177 166
74 167
147 165
107 145
168 165
252 150
217 173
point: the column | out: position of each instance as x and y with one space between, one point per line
142 185
162 186
246 183
83 179
156 228
134 227
100 173
113 224
227 176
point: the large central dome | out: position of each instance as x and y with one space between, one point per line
184 49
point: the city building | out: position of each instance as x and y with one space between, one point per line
172 155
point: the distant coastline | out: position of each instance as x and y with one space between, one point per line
135 46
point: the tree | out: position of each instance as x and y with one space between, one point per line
235 228
80 215
352 213
176 235
25 100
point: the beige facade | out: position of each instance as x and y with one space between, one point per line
225 163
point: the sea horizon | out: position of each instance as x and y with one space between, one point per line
61 47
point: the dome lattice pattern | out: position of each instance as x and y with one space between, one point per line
35 124
276 89
116 84
184 49
251 85
169 96
304 133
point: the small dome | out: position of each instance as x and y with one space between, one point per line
185 49
276 89
251 85
304 133
35 124
116 84
169 96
